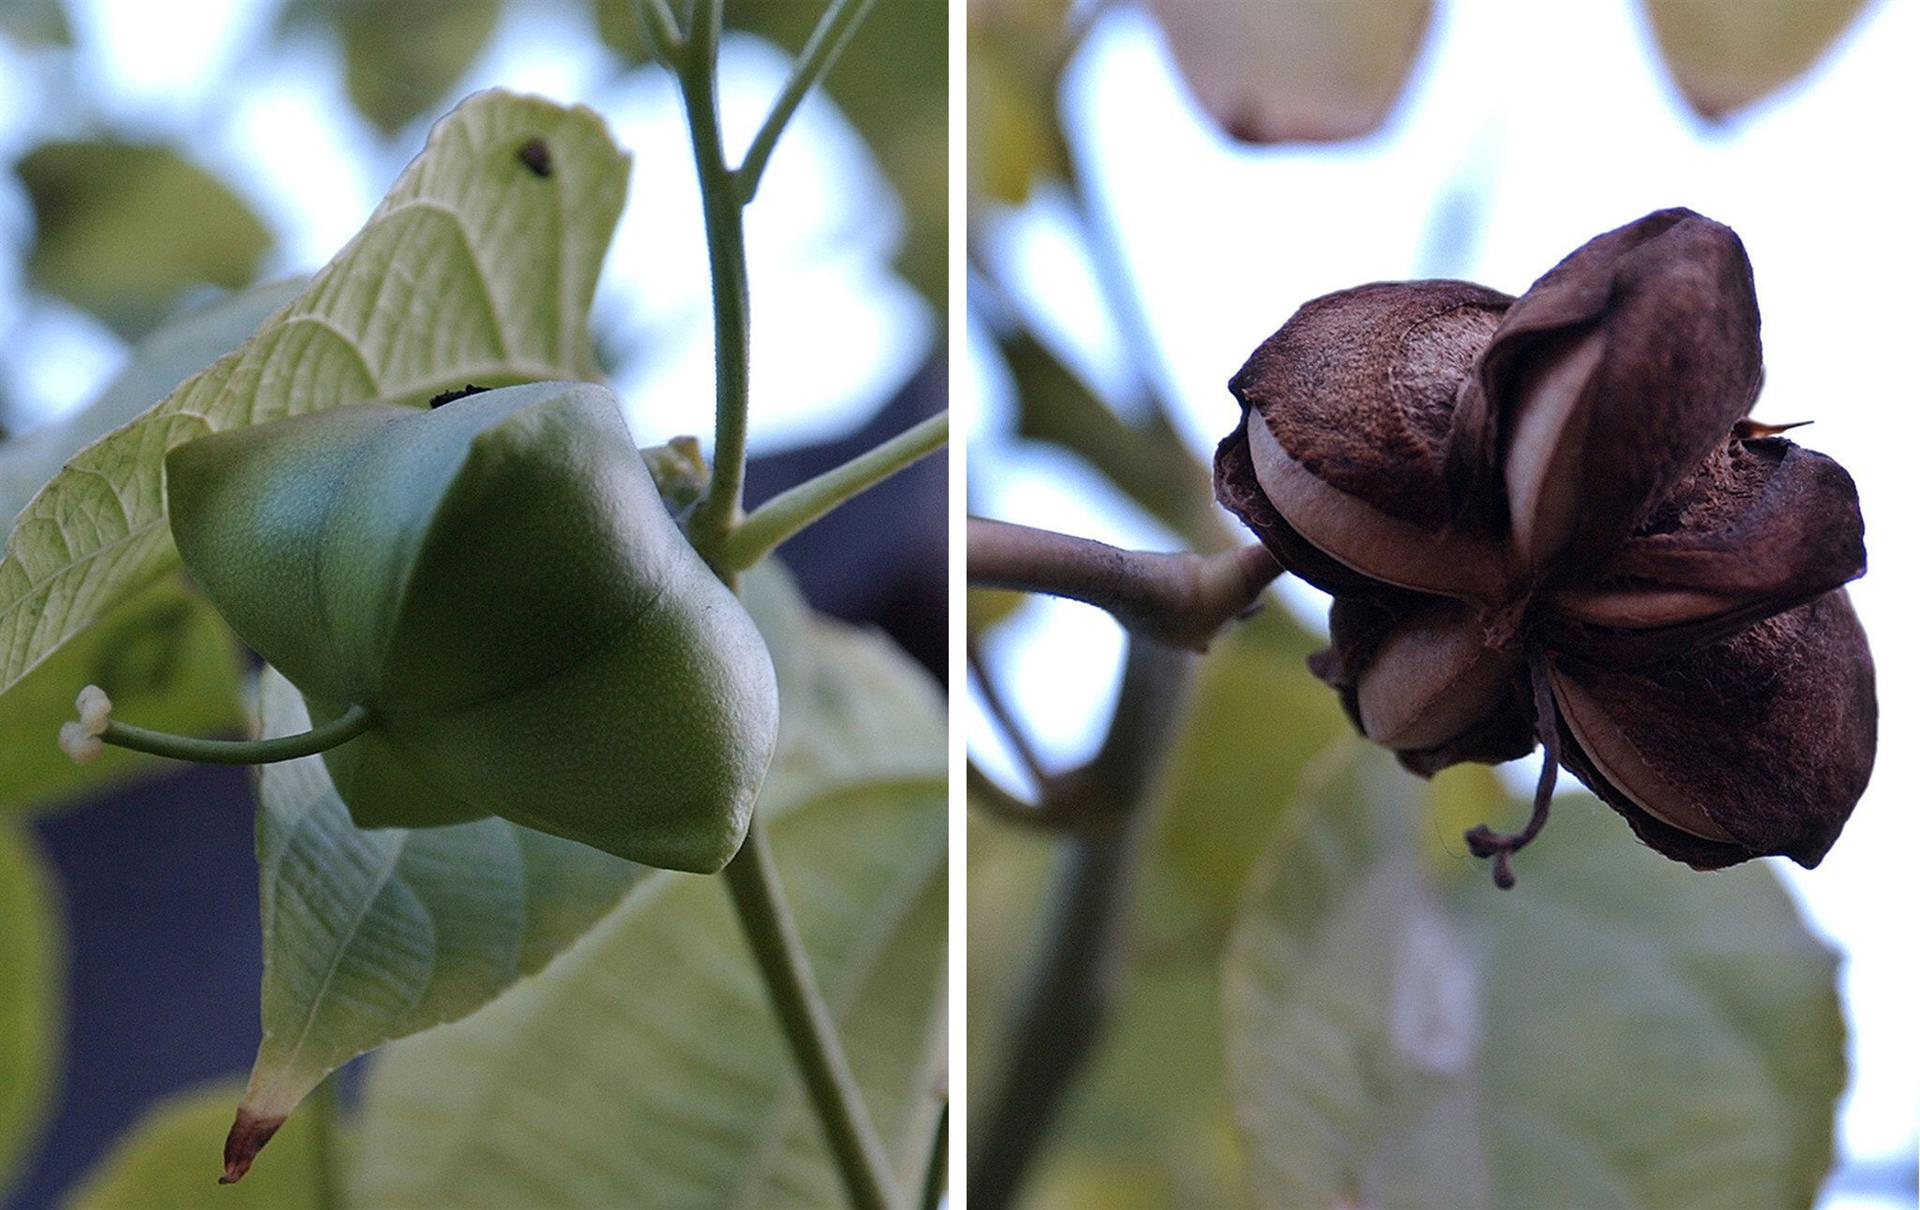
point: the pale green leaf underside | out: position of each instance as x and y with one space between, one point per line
372 935
1618 1031
167 1158
473 269
644 1068
31 995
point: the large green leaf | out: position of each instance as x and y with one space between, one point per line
164 1161
1276 71
1255 726
853 709
164 657
402 58
371 935
1728 53
1616 1032
644 1069
375 935
124 228
31 996
476 268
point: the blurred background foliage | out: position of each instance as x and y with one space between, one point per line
1321 1001
169 179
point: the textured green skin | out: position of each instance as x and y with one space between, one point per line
499 582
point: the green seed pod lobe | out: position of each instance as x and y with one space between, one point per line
498 581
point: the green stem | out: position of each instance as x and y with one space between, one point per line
796 508
240 752
803 1013
714 518
750 877
829 38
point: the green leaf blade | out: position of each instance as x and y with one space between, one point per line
1617 1031
376 935
371 935
475 268
643 1067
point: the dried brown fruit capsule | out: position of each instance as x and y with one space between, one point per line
1550 517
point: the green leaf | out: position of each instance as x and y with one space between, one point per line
164 657
475 268
1140 1130
124 228
32 987
853 709
1259 727
1618 1031
1729 53
167 1160
644 1068
402 58
371 935
164 358
1156 1096
1279 72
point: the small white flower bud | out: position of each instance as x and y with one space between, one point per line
81 740
80 745
94 706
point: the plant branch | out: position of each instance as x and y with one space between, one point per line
798 507
1179 599
803 1013
829 38
714 517
1010 728
1079 964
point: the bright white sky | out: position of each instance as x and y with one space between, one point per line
1556 122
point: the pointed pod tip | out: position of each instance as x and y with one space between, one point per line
249 1134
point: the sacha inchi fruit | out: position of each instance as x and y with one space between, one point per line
1551 517
496 586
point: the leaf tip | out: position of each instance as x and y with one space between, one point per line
249 1134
